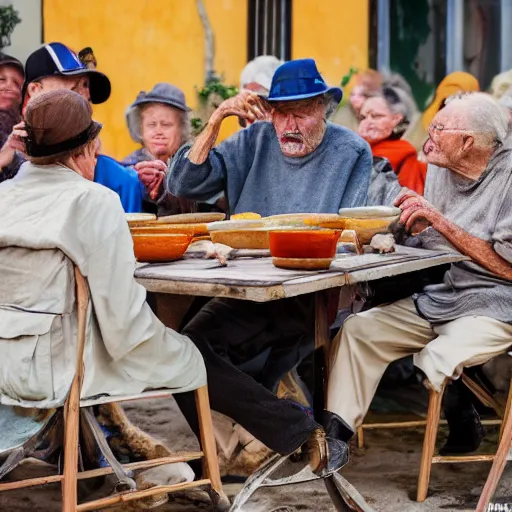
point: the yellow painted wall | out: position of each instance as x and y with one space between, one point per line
334 33
141 42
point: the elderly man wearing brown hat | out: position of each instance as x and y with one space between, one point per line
53 208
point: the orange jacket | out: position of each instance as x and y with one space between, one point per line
404 159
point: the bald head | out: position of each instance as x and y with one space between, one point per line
479 114
464 135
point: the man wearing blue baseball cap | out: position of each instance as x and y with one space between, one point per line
55 66
292 160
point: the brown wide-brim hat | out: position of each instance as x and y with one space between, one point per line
57 122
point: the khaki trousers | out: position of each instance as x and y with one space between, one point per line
369 341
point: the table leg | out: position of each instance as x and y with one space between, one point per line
171 309
322 351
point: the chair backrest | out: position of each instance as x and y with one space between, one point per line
39 342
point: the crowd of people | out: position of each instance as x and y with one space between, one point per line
298 151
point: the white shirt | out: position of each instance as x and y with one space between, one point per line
128 349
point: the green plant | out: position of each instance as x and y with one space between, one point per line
196 124
215 86
8 20
346 78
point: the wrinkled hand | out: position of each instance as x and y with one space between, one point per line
16 139
245 105
151 174
417 213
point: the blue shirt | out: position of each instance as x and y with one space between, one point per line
256 177
124 181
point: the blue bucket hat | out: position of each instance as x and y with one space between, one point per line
299 80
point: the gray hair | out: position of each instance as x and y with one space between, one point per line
399 102
483 115
134 121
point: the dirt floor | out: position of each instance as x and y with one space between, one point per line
384 473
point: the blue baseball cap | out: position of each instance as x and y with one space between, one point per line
299 80
56 59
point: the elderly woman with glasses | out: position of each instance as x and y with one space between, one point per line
466 319
384 118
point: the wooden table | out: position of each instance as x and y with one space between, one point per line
256 279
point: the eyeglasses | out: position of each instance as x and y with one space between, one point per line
436 129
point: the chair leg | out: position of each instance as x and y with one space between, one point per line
71 426
210 461
360 437
498 464
429 442
508 407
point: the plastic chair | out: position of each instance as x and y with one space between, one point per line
72 416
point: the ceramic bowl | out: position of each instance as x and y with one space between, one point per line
242 239
160 246
154 228
367 228
309 244
140 219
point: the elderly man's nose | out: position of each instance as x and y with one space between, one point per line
291 123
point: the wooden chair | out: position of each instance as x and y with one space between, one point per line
72 416
499 459
431 428
431 425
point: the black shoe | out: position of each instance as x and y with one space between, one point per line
336 427
326 455
466 432
327 448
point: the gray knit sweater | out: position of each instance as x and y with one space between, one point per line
483 208
257 177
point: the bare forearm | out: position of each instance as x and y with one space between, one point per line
480 251
205 142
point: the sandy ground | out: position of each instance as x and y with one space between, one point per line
385 473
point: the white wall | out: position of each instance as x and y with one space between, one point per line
27 35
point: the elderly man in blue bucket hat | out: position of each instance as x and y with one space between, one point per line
290 161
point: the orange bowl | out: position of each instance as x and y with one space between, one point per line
188 229
304 244
160 246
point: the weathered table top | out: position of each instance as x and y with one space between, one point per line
258 280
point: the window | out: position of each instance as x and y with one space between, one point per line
269 28
482 39
416 45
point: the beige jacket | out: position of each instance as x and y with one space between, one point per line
64 217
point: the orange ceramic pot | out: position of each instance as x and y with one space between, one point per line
160 246
304 244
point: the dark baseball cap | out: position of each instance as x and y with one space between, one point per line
56 59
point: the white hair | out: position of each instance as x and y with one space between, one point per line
260 70
483 115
